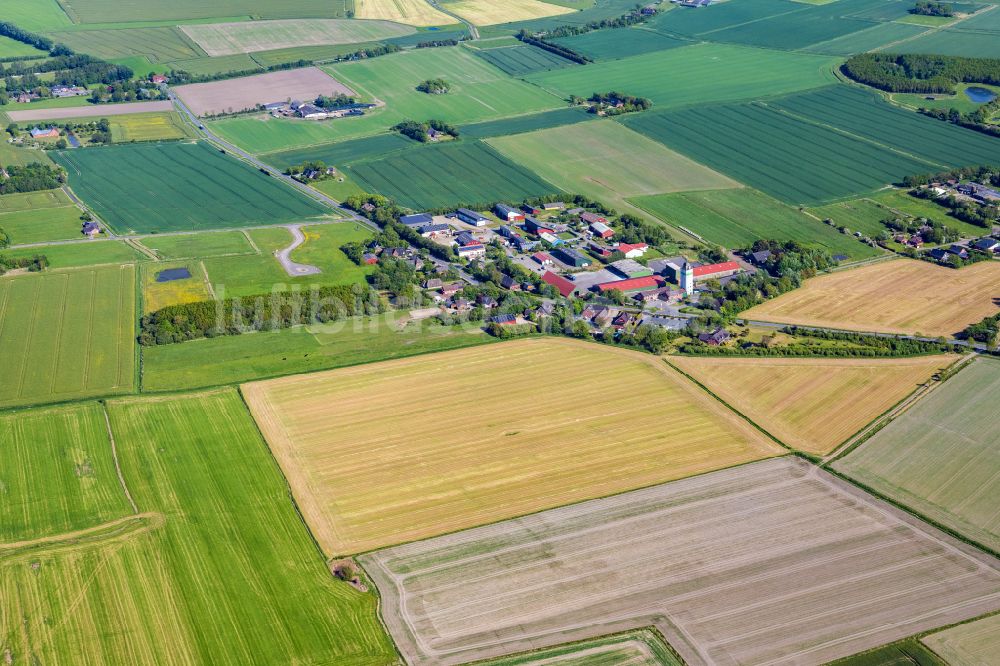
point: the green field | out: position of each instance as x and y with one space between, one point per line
260 273
67 335
794 160
157 44
447 175
157 295
607 161
219 65
188 246
527 123
11 48
252 36
642 647
900 200
909 652
230 360
28 201
15 155
76 255
698 74
939 458
216 559
57 475
479 92
523 59
736 218
972 643
344 152
976 37
864 215
869 39
35 15
111 11
149 127
46 224
620 43
179 186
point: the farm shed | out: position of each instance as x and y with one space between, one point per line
631 284
416 220
471 217
508 213
565 287
630 268
716 271
602 230
571 257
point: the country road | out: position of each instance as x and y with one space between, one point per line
284 256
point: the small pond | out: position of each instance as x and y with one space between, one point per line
172 274
980 95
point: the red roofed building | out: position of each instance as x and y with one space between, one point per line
715 271
542 258
632 284
565 287
632 250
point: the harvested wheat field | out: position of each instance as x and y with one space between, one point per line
904 296
973 643
247 92
402 450
410 12
776 562
812 404
218 39
491 12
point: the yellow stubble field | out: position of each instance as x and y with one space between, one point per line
410 12
403 450
812 404
903 296
491 12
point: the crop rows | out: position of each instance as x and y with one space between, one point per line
620 43
527 123
160 44
446 175
521 60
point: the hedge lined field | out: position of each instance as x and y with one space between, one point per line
157 44
58 473
524 59
864 215
867 114
698 74
738 217
939 457
449 174
76 255
67 335
217 559
619 43
791 159
179 186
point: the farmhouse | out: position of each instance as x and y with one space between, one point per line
91 229
630 268
433 283
508 213
471 217
571 257
632 250
310 112
370 258
715 338
504 319
416 220
716 271
601 230
49 133
451 288
159 79
631 284
68 91
759 258
565 287
591 218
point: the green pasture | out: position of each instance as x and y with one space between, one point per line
795 160
67 334
249 275
144 188
864 215
737 218
15 155
29 201
900 200
218 65
698 74
58 475
464 172
44 224
620 43
241 358
112 11
76 255
339 188
527 123
344 152
157 295
35 15
523 59
869 39
314 53
11 48
158 44
217 558
189 246
479 92
607 161
939 457
864 113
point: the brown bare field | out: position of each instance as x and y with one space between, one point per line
91 110
403 450
218 39
246 92
490 12
410 12
902 296
812 404
776 562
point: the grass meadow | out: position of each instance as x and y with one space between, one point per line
733 567
179 187
58 473
159 45
738 217
812 404
904 296
11 48
216 558
190 246
15 155
864 215
621 43
67 335
77 255
939 457
607 161
46 224
522 59
449 174
630 413
900 200
242 358
972 643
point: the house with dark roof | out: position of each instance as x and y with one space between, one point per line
759 258
959 251
434 229
417 220
987 245
717 337
91 229
507 282
504 319
571 257
471 217
938 254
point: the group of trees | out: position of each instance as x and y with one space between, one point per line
125 91
434 86
977 120
813 343
982 173
36 263
552 47
915 73
931 8
267 312
615 103
632 17
317 167
71 70
338 101
985 331
980 214
432 43
422 131
31 178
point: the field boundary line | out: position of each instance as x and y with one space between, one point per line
208 280
652 628
114 457
112 530
250 240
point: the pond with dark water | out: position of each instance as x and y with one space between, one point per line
980 95
172 274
